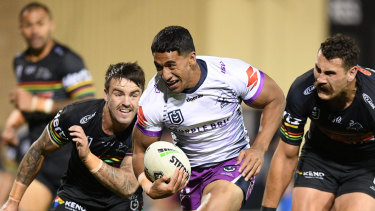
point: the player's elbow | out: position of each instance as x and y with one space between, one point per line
129 191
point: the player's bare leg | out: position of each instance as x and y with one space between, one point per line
221 195
354 201
309 199
36 198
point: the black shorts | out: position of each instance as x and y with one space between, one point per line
63 203
339 178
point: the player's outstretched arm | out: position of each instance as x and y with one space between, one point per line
27 102
29 168
272 101
121 181
160 188
283 164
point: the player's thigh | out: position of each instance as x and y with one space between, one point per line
354 201
223 195
310 199
36 198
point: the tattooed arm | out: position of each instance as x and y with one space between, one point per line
121 181
29 168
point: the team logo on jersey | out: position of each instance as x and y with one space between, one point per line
315 113
354 126
86 118
229 168
368 100
309 90
252 76
176 117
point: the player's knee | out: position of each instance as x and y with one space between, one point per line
224 196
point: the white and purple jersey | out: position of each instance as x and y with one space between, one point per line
205 121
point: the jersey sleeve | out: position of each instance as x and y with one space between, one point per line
149 116
58 127
76 79
246 80
294 117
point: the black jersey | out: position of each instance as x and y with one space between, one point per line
78 182
346 135
60 75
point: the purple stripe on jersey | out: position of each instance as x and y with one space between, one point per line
148 133
255 96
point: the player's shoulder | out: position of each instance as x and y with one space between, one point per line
227 69
366 76
304 83
82 111
366 85
86 105
19 57
302 86
221 63
64 51
155 91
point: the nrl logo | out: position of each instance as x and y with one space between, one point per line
176 117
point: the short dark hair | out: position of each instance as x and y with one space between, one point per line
342 47
33 6
130 71
173 38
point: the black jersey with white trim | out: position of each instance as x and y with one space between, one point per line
61 75
347 134
78 182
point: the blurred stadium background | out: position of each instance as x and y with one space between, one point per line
280 37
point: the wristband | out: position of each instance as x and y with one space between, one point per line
267 209
34 102
144 182
96 169
18 189
48 106
93 163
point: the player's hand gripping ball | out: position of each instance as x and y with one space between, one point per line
162 158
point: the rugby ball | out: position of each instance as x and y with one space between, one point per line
162 158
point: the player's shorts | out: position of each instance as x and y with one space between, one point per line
63 203
335 177
191 195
